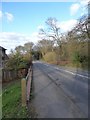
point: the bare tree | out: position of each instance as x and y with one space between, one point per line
52 33
53 30
45 46
82 30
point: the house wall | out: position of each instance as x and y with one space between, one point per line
2 56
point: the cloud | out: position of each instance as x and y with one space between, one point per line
67 25
35 37
10 40
74 8
1 14
84 6
40 27
79 5
9 16
84 2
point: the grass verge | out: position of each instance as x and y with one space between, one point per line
11 101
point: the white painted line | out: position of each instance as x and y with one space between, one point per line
69 72
83 76
73 73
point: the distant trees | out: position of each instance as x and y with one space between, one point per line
28 47
45 46
19 48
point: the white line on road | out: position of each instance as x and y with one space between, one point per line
68 71
73 73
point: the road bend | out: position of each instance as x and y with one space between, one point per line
59 93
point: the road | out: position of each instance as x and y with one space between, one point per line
60 92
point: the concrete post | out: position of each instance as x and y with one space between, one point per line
23 87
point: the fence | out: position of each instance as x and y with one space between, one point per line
26 87
9 75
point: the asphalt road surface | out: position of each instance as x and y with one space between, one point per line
59 92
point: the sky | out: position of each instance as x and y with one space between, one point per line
20 21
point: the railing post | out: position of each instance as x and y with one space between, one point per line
23 87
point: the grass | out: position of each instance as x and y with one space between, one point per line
11 101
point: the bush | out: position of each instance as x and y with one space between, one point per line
50 56
79 58
17 61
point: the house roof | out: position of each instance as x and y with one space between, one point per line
2 48
5 55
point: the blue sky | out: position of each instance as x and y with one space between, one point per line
21 20
28 16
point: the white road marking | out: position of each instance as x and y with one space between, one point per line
72 73
67 71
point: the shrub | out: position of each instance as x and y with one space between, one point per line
17 61
50 56
79 58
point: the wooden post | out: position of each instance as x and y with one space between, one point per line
23 86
